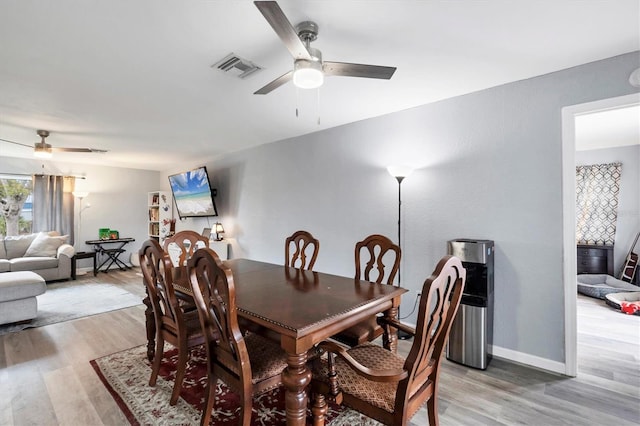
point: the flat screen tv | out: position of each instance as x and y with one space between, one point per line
192 193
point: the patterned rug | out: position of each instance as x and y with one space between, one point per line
126 376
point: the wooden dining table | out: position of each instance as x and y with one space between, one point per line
300 309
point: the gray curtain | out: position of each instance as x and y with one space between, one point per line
53 204
597 188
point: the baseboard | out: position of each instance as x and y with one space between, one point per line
528 359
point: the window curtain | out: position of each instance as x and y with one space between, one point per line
53 204
597 188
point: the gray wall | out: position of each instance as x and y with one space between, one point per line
628 224
489 166
118 197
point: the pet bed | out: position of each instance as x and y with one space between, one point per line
628 302
599 285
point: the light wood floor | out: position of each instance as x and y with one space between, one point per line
46 378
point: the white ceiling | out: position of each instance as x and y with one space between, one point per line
609 128
134 77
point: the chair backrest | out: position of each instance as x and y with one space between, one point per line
181 246
303 241
215 297
441 294
158 277
375 249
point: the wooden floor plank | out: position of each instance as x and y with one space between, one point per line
68 398
46 377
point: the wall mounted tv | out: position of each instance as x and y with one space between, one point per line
192 193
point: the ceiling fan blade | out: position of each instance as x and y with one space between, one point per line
284 78
60 149
281 25
16 143
357 70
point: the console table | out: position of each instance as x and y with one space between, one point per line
595 259
111 255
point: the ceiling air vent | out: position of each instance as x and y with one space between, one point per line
235 65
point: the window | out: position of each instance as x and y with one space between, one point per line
16 204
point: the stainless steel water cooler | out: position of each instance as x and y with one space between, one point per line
472 329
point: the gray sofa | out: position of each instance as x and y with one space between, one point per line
45 253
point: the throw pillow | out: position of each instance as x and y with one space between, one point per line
45 245
17 245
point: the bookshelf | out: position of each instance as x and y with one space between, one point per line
160 210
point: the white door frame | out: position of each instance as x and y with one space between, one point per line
569 216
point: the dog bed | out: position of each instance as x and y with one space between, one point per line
628 302
599 285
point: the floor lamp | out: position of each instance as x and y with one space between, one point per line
80 195
400 172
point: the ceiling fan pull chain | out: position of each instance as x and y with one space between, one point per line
296 101
318 104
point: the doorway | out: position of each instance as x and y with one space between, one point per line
569 115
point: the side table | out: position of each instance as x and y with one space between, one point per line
83 255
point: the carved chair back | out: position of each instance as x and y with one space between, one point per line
375 250
301 250
439 302
172 323
180 247
158 277
385 386
228 350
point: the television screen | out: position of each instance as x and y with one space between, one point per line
192 193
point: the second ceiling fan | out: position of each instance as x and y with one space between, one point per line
43 149
308 68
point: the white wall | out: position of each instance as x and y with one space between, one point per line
628 224
489 166
118 197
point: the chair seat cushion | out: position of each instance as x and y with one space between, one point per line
267 358
381 395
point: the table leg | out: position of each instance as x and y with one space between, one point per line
295 378
390 336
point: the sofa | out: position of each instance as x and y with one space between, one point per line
18 291
46 253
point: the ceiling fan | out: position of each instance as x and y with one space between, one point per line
308 68
44 150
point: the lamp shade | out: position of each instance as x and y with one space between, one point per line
219 228
308 78
400 171
308 74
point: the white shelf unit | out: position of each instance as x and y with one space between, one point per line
160 209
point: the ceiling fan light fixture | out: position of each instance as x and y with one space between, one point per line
308 74
42 150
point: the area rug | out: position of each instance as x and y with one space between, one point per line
69 300
126 376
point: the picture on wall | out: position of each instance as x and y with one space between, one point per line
192 193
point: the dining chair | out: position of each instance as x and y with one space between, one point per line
370 257
385 386
180 247
303 241
173 324
249 364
